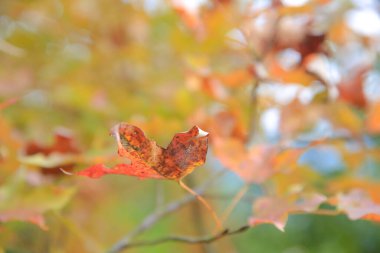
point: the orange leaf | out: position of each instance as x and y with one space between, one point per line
295 10
373 119
292 123
372 217
191 20
236 78
256 164
270 210
148 160
339 32
295 75
8 141
348 183
253 165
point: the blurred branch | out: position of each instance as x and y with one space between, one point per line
310 141
228 197
154 217
234 202
188 240
150 220
254 121
218 223
206 240
198 218
73 228
273 39
326 212
254 114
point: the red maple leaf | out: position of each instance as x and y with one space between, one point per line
185 152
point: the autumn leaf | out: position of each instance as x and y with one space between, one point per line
357 204
241 63
6 103
351 88
373 119
50 158
24 216
291 10
270 210
30 203
237 77
190 19
275 210
9 145
306 43
338 32
346 184
298 74
311 43
343 116
375 217
291 125
207 84
185 152
255 164
223 124
217 84
63 143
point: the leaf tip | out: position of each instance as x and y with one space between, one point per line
66 172
201 133
257 221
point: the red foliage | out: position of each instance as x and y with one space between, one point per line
63 145
185 152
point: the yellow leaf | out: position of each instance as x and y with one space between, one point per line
294 10
343 116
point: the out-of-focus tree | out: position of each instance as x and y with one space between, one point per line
288 91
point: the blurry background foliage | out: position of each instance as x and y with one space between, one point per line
260 76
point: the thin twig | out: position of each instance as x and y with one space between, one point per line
205 204
234 202
149 221
199 221
326 212
188 240
254 114
224 197
155 216
272 40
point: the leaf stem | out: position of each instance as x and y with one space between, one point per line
204 202
320 212
234 202
156 215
